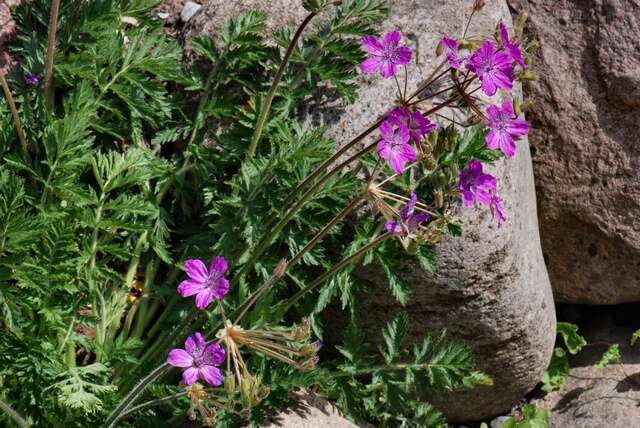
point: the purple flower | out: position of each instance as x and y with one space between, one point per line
418 125
456 60
475 185
385 54
511 48
408 221
32 79
394 146
199 360
205 284
494 69
495 204
504 127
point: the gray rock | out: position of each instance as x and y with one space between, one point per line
309 411
585 147
190 8
497 422
491 289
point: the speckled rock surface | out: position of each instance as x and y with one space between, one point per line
585 147
309 411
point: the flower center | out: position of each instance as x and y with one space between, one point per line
212 280
390 54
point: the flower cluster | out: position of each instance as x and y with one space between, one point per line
491 63
200 358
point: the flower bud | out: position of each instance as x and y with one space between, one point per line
439 198
439 49
478 5
229 383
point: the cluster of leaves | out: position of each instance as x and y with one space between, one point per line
128 178
395 390
555 375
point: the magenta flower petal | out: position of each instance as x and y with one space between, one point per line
494 69
190 375
214 354
195 344
204 298
504 128
179 358
370 65
221 288
384 54
189 287
212 375
387 69
373 45
199 360
475 185
392 38
196 270
218 265
408 221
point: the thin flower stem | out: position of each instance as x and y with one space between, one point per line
16 118
342 214
129 399
392 367
328 274
275 230
429 81
399 198
257 133
51 44
22 422
400 93
152 403
406 79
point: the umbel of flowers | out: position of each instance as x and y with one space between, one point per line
490 64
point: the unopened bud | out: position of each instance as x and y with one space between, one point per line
478 5
529 75
440 48
229 383
439 198
519 24
429 162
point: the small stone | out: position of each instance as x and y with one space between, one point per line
497 422
163 15
190 8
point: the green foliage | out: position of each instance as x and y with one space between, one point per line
634 337
532 417
572 340
611 355
553 378
141 165
396 393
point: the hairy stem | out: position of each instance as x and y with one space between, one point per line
129 399
328 274
22 422
51 44
275 230
16 118
264 113
152 403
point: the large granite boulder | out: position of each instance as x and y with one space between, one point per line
491 289
584 145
